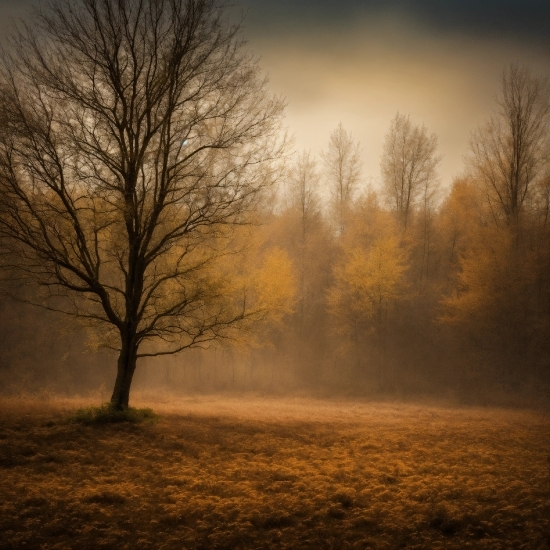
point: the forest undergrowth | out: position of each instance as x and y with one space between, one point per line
272 473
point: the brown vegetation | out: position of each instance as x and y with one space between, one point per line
214 473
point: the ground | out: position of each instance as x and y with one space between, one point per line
234 473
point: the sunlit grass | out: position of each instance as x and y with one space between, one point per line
220 473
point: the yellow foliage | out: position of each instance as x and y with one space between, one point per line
261 284
369 224
461 216
494 275
368 282
274 285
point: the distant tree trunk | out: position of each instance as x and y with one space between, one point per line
125 372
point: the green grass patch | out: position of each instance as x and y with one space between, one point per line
106 414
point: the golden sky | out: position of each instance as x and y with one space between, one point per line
364 63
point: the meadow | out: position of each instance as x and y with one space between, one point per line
229 473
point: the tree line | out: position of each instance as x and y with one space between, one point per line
411 286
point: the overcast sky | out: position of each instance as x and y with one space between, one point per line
361 61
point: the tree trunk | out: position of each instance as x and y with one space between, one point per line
126 367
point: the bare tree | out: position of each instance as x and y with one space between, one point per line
343 171
303 183
408 165
135 134
511 151
304 190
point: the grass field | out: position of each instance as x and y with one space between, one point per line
218 473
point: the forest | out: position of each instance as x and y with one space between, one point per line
406 287
155 216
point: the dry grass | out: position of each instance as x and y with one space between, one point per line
220 473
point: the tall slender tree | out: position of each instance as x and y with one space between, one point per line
304 198
343 171
510 153
408 165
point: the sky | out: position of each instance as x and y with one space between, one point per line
359 62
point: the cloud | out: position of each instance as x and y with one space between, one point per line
524 20
364 72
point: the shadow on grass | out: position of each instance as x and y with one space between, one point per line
107 414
